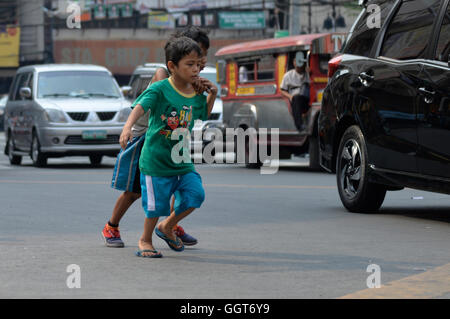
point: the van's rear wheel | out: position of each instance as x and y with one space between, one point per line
314 153
356 192
13 159
37 157
251 154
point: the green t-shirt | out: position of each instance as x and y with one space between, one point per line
170 110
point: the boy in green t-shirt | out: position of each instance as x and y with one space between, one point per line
174 107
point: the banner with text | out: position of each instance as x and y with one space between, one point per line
242 20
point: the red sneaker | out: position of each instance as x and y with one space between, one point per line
187 239
111 235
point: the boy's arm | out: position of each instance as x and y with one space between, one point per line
126 134
212 93
210 99
160 74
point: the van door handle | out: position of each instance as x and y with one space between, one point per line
425 91
365 78
428 95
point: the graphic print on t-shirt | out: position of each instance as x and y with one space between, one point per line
173 120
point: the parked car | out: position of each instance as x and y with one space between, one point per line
215 120
385 119
57 110
140 80
3 101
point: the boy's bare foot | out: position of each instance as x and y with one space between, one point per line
176 243
146 249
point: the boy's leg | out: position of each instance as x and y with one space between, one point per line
111 232
189 195
125 200
145 242
167 225
127 161
187 239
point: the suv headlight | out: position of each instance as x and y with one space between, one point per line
55 116
123 114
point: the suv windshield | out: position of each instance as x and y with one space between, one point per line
77 84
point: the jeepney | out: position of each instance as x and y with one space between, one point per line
250 75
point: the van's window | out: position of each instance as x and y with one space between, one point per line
266 68
362 35
21 82
443 47
77 84
134 83
258 70
408 34
143 84
246 72
12 89
30 83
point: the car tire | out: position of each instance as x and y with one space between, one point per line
314 153
352 174
13 159
248 156
37 157
95 159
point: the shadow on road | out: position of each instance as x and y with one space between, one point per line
300 168
73 166
441 214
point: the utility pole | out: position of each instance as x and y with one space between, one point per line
294 17
309 18
334 15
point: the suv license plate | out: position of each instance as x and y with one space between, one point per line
93 135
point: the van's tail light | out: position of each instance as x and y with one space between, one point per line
333 65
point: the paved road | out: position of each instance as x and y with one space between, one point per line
260 236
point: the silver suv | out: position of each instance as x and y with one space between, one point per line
60 110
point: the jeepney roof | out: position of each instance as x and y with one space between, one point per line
268 46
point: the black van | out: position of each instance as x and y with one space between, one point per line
385 118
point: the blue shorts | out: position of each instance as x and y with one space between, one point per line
157 192
126 175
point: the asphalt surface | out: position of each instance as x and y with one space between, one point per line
285 235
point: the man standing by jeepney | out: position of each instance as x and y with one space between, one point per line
295 86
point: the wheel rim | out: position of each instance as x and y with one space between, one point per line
350 168
34 150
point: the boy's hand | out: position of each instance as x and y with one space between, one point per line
199 88
204 85
125 137
210 87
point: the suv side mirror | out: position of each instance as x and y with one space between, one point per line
126 90
25 92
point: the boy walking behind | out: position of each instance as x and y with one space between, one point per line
174 107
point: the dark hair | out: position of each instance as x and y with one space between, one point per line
195 33
177 48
